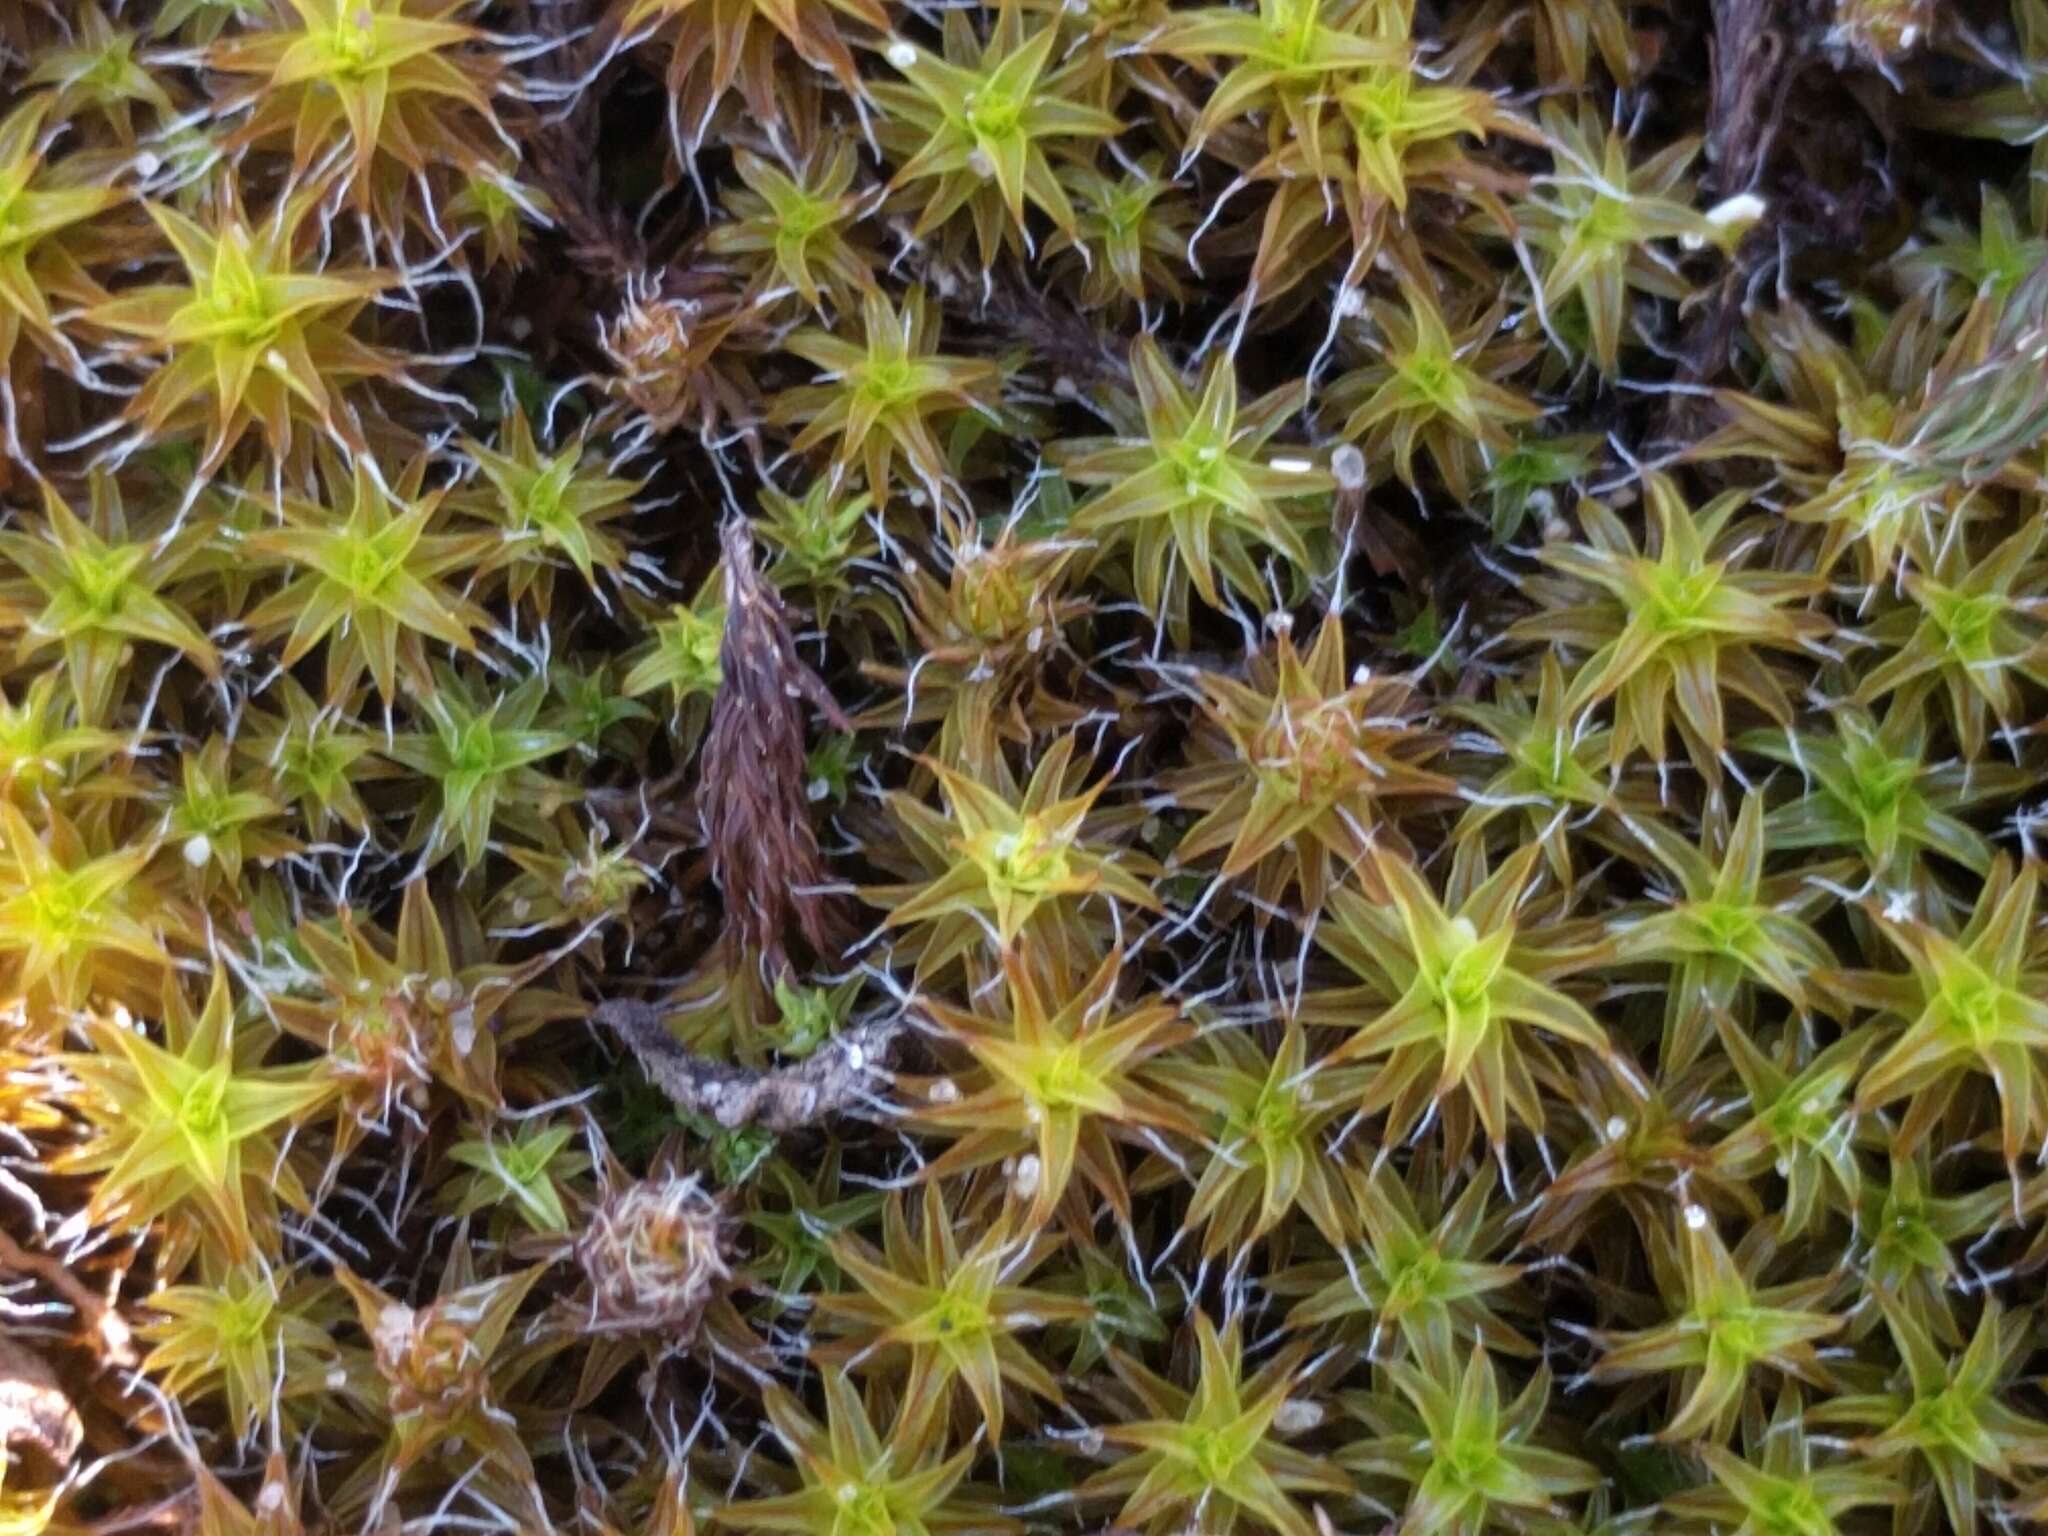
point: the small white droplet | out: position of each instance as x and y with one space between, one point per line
902 55
1731 216
1296 1416
1025 1179
1292 466
945 1091
1695 1217
197 849
1616 1127
270 1499
1348 465
1743 208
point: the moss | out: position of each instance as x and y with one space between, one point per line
1304 732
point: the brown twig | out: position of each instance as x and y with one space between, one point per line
1750 55
1754 60
117 1344
1059 338
834 1079
563 154
752 794
34 1409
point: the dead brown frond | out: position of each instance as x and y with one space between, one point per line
752 799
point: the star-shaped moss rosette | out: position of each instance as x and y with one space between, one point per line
1213 1448
256 336
957 1314
1059 1081
1196 492
1970 1003
1006 859
94 586
1457 1001
1673 629
1461 1453
1300 769
41 210
193 1129
404 84
981 122
1724 1330
850 1477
